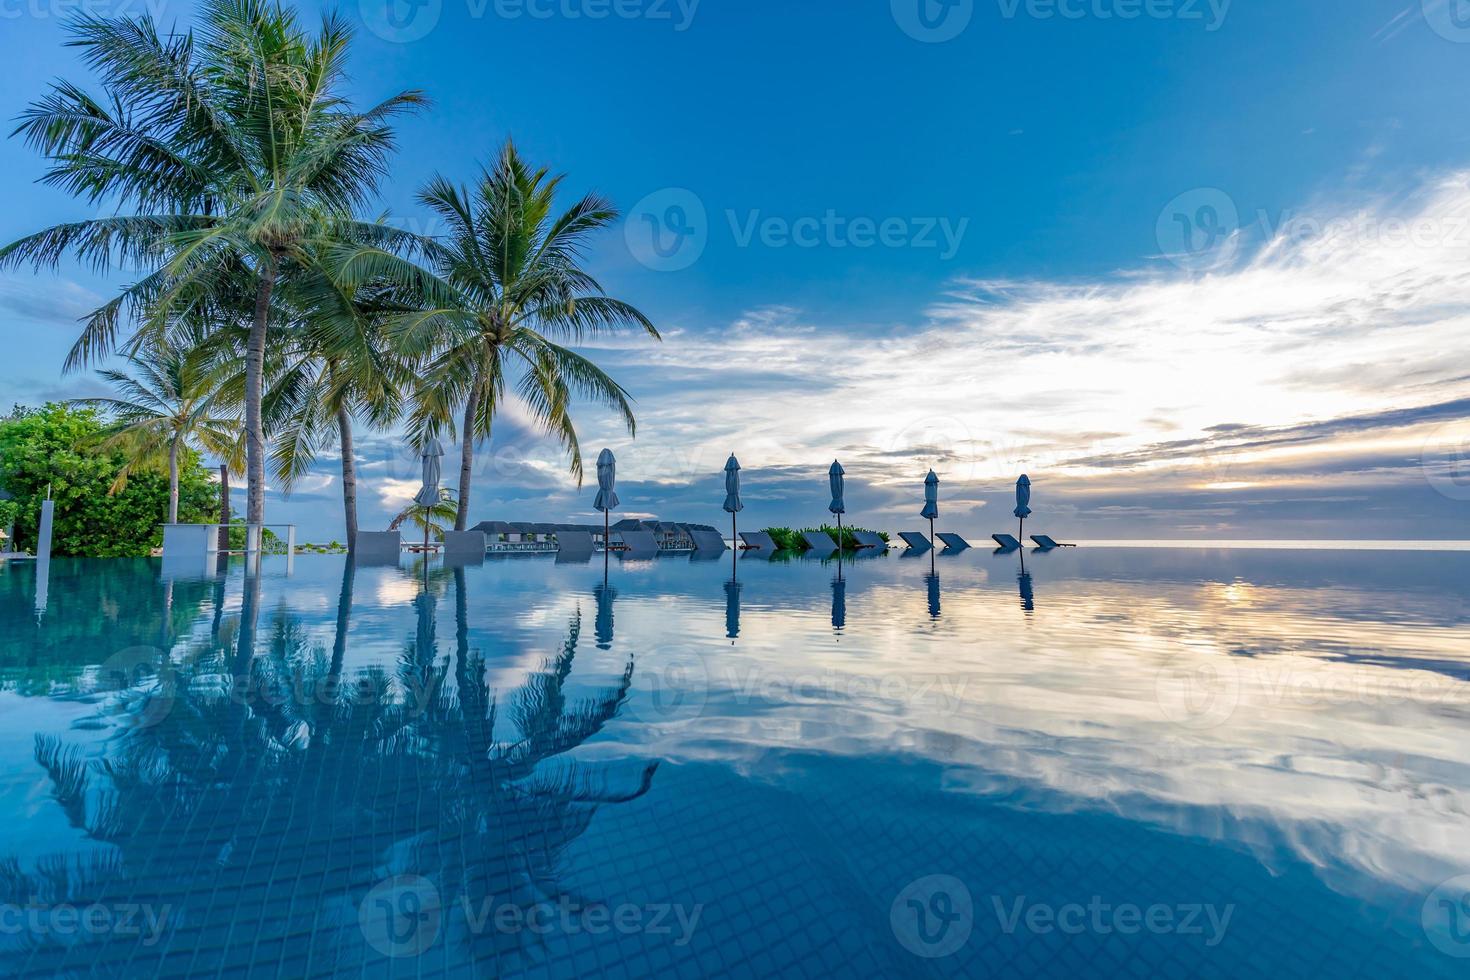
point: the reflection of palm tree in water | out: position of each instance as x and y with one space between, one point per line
231 809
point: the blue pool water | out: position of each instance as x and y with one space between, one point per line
1108 762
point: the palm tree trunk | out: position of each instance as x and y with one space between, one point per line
224 507
173 481
254 373
466 461
349 475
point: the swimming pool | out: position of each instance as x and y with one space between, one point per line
1107 761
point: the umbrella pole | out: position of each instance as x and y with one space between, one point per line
606 545
734 546
1021 531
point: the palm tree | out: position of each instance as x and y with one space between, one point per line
235 150
430 520
337 367
169 403
507 284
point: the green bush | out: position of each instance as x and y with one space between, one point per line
788 540
60 446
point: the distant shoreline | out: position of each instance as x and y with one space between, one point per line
1348 544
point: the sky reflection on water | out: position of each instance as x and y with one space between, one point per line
1281 730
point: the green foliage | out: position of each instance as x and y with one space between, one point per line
789 540
62 446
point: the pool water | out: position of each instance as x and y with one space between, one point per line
1097 762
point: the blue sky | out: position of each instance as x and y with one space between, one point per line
1197 268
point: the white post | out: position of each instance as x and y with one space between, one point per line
43 552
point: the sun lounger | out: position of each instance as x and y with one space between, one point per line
638 544
916 540
378 547
759 540
1046 543
870 539
1006 542
574 543
707 541
819 541
952 542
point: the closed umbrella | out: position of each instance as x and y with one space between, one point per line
602 626
428 495
732 495
1023 501
931 501
837 506
732 609
607 496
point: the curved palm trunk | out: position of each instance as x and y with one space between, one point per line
349 475
466 461
173 482
254 371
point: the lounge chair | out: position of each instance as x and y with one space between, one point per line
378 547
758 541
916 540
952 541
707 541
870 539
1046 543
819 541
574 543
1006 542
639 544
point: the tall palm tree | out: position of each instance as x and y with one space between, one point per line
167 404
236 152
337 367
506 291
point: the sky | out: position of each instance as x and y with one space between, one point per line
1198 267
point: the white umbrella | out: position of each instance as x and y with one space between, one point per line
837 506
931 501
1023 501
428 494
607 497
732 496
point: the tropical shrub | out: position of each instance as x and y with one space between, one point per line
61 447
